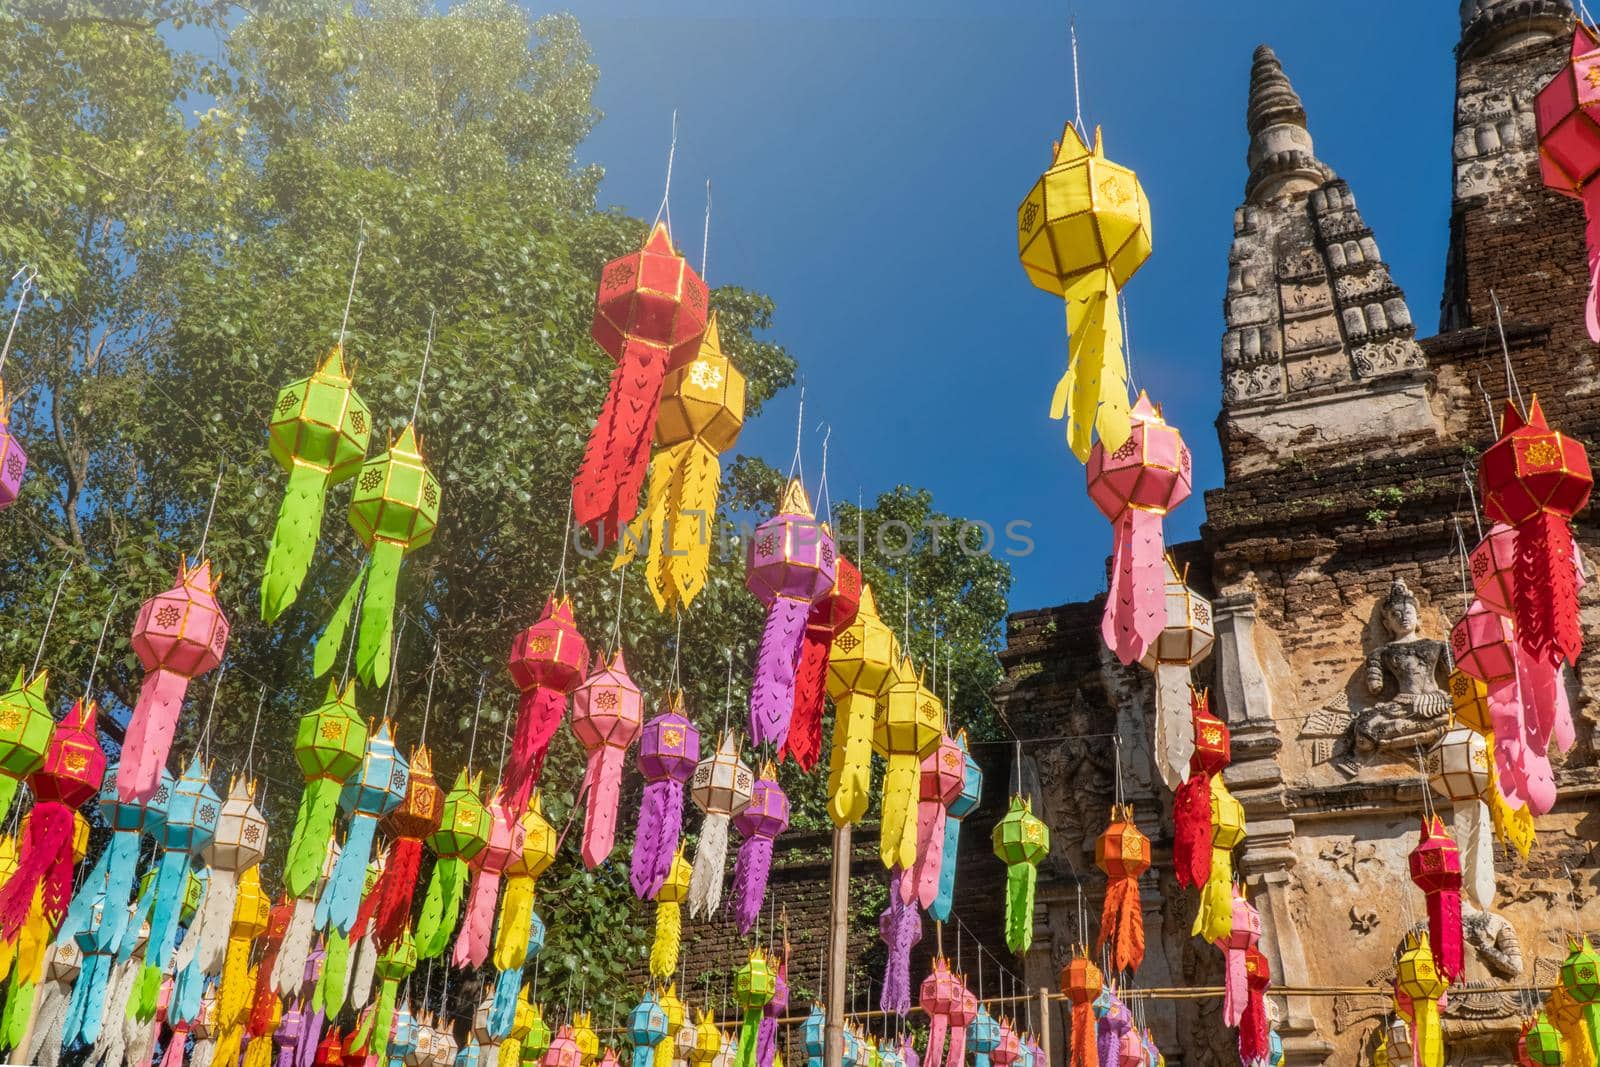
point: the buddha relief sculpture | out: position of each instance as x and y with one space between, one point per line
1404 679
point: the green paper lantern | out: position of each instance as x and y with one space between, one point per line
1543 1042
463 832
318 433
25 729
328 744
1021 840
1580 976
539 1036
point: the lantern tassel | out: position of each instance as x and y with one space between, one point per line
669 934
804 743
289 969
710 858
1136 602
472 944
313 829
656 839
148 738
931 821
1093 393
1085 1049
750 870
375 638
850 761
538 717
1444 931
602 782
1108 1034
362 973
516 923
772 692
325 649
390 899
748 1034
648 530
1020 881
1191 830
206 940
944 899
1174 732
383 1017
1214 919
1427 1036
294 539
341 896
938 1027
1254 1042
1512 826
1122 923
1546 590
503 1014
692 510
335 975
1470 827
44 862
897 836
441 906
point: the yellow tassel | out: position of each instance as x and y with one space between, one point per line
1512 826
850 759
697 484
33 940
1094 391
669 932
516 922
259 1053
897 842
645 529
1427 1035
1567 1016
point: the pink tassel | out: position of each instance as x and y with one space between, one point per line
602 781
1135 604
472 943
538 717
1591 231
173 1057
149 735
1236 987
930 851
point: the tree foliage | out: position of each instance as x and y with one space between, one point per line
194 213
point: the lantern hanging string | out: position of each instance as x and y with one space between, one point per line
472 745
1512 388
1127 346
616 624
1461 549
350 650
1472 494
1077 93
250 753
727 695
1488 407
666 192
204 744
566 539
388 689
350 296
100 643
16 314
1118 794
705 237
427 350
795 463
205 534
500 766
824 501
50 618
677 654
427 707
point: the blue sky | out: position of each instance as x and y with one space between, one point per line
866 170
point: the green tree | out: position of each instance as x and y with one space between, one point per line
194 211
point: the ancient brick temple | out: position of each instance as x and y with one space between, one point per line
1346 439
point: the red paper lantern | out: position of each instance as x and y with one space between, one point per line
1567 113
830 616
1191 806
650 316
1535 479
1436 870
548 660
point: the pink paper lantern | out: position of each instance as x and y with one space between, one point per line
1493 566
607 713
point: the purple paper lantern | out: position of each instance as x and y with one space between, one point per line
669 749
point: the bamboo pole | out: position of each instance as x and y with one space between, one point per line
838 947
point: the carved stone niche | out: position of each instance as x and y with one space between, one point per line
1401 702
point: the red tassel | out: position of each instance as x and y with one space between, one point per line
46 857
389 903
804 743
1444 931
605 491
1547 589
538 717
1254 1042
1085 1053
266 1000
1122 923
1191 828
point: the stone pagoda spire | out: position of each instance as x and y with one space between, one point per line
1499 26
1281 159
1320 348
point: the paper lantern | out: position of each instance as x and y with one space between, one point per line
1134 484
237 844
1213 920
463 832
647 1025
1458 770
677 1012
959 808
606 717
70 775
535 851
942 779
900 928
702 411
1436 869
1112 1024
377 788
26 727
179 635
939 995
753 988
539 1036
1565 113
1082 232
767 1031
790 565
394 509
669 748
395 965
760 821
1580 979
13 460
855 1047
185 833
670 896
650 316
908 728
830 616
318 434
814 1035
1536 479
1244 932
1021 840
1123 853
721 787
861 668
1008 1049
1184 641
1191 804
983 1034
707 1040
1542 1042
388 905
1469 704
1493 565
548 660
583 1035
251 911
329 743
1483 647
472 944
1254 1043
